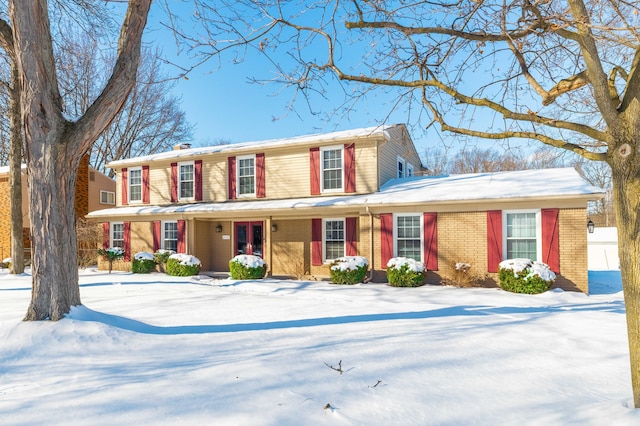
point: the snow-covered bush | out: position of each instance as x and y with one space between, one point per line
348 270
405 272
183 265
247 267
143 263
6 263
161 256
525 276
112 254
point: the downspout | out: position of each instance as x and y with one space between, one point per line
371 264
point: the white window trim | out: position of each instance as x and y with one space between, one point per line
538 231
324 237
255 180
404 167
111 193
331 148
395 232
111 230
187 163
409 170
139 168
162 236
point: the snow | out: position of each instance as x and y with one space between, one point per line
249 261
153 349
349 263
143 255
535 268
253 145
412 265
562 183
186 259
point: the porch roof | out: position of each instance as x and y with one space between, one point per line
542 184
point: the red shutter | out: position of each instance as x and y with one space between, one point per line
232 178
494 239
430 222
145 185
106 235
197 169
174 182
550 239
156 235
314 157
125 187
316 242
260 187
127 241
386 239
350 168
351 236
181 242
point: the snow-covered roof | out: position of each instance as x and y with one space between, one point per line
272 143
5 169
526 184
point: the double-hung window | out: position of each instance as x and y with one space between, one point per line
135 185
408 236
409 170
334 239
246 176
170 235
107 197
401 168
331 164
185 180
522 234
117 234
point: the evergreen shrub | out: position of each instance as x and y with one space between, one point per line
143 263
525 276
348 270
183 265
247 267
405 272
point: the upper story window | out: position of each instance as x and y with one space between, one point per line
522 234
185 180
135 185
408 236
246 175
331 163
334 239
409 170
401 168
107 197
170 235
117 234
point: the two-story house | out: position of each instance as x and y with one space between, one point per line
304 201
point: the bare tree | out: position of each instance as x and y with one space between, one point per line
564 73
55 145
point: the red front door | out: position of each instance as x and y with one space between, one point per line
249 238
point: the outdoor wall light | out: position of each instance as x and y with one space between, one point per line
591 226
274 228
219 228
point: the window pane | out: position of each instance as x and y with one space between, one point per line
117 235
246 176
135 185
332 169
334 239
170 241
186 181
521 236
408 242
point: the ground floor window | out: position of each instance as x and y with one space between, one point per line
522 235
170 235
117 234
408 233
333 239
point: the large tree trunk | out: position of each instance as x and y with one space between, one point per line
626 190
15 175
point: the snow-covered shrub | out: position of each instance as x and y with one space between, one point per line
6 263
525 276
112 254
247 267
348 270
143 263
459 275
161 256
183 265
405 272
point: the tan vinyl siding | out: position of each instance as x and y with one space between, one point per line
291 249
221 251
399 145
287 173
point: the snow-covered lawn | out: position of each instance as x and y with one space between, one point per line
166 350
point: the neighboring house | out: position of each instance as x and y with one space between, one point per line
603 249
303 201
89 185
